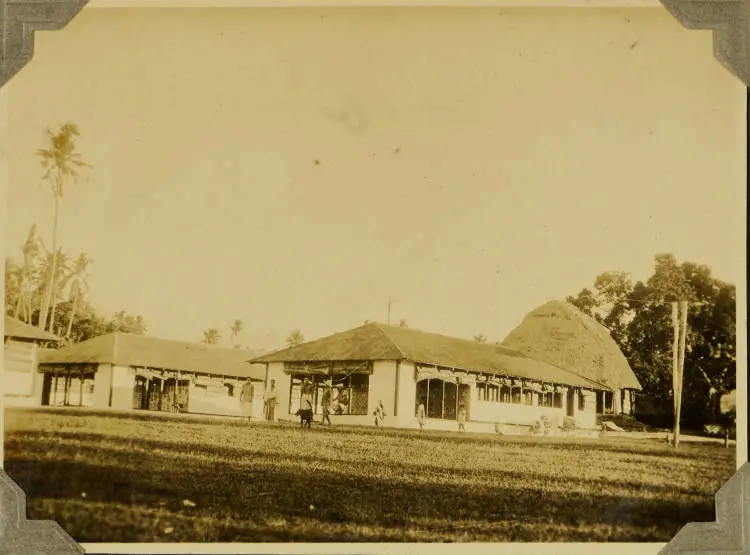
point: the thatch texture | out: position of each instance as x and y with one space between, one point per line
125 349
559 333
16 329
382 342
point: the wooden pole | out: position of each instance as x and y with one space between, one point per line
675 351
679 323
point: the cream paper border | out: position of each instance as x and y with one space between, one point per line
368 548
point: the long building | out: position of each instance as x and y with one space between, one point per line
403 368
125 371
21 347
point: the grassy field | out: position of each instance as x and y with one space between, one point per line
115 477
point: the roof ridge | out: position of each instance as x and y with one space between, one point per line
388 338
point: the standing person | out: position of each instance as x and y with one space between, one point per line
379 414
246 399
420 416
342 400
325 404
461 417
306 394
269 399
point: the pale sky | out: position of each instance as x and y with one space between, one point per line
473 163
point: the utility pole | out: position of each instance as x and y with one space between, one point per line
679 323
389 312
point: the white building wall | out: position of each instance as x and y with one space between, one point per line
102 386
20 373
382 387
407 394
123 383
491 411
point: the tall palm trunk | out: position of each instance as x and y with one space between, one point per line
72 313
53 270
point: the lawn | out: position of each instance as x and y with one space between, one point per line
109 477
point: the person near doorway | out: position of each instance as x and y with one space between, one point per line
246 399
421 416
461 417
325 404
269 401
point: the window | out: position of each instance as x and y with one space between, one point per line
505 394
492 392
557 400
442 398
488 392
515 395
546 399
350 393
481 391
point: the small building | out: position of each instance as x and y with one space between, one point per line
21 347
125 371
403 368
558 333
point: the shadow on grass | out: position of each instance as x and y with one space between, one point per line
248 495
119 456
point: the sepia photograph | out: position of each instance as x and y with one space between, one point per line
385 274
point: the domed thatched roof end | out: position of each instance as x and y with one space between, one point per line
560 334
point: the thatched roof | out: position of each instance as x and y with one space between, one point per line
559 333
125 349
382 342
16 329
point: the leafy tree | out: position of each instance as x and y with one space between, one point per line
639 318
126 323
295 338
61 163
403 324
585 301
211 336
480 338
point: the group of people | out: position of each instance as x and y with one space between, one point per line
307 393
270 396
460 417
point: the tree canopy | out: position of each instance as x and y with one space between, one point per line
638 316
71 314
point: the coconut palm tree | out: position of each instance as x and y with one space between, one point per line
78 285
53 269
211 336
61 163
295 338
64 274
